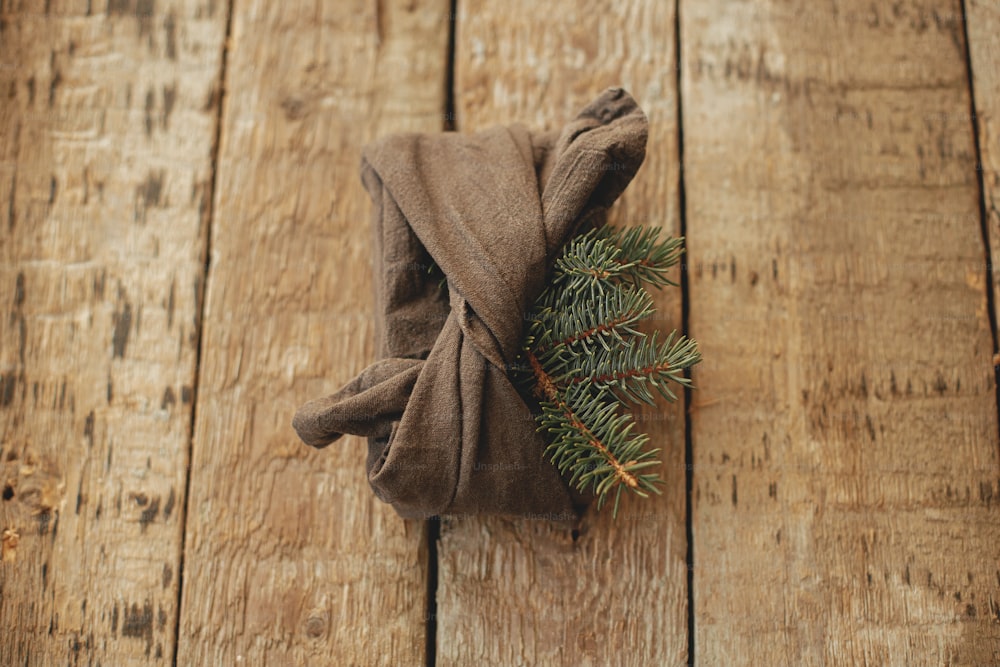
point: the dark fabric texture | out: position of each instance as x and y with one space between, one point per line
448 431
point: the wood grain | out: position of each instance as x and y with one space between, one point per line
289 558
105 133
983 25
522 591
847 508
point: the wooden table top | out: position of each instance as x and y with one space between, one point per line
185 259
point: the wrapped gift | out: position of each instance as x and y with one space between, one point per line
465 227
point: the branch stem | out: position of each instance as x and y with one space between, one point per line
551 393
610 325
646 371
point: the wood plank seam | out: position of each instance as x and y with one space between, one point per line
434 523
449 124
685 330
200 314
984 221
430 640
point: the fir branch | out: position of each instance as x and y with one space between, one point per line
608 255
586 360
648 257
633 369
591 439
589 322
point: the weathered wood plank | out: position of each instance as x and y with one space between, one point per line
106 130
983 25
847 508
522 592
289 557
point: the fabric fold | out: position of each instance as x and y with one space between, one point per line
448 431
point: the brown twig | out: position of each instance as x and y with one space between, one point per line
621 375
551 393
606 326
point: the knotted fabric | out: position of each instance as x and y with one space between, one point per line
448 432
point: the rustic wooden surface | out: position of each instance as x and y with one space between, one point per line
289 557
845 472
106 126
846 458
523 592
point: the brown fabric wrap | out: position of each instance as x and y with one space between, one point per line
448 432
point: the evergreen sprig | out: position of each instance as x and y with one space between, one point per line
588 362
581 324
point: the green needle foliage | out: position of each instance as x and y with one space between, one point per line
587 363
